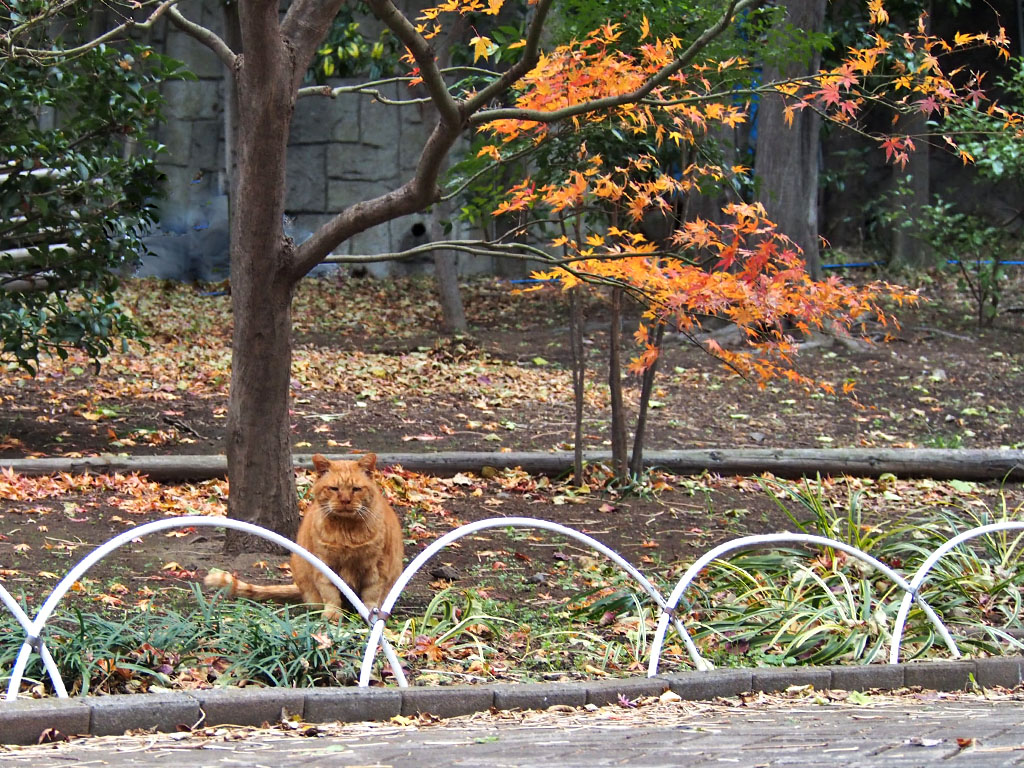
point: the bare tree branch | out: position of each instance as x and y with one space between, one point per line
423 53
370 86
364 89
495 249
474 247
70 53
205 36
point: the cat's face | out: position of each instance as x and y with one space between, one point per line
344 488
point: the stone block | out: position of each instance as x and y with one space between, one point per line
113 715
168 257
602 692
447 701
351 705
1006 672
539 695
345 118
306 181
355 162
770 679
322 119
702 686
373 241
249 706
24 721
940 675
379 124
868 676
176 135
204 145
342 193
193 100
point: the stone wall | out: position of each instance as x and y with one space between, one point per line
343 150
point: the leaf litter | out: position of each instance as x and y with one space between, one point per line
367 375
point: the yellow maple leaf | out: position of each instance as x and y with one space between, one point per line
482 47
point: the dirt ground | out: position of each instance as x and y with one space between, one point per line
370 374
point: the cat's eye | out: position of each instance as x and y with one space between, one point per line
332 488
356 488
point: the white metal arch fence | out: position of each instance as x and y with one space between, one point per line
667 608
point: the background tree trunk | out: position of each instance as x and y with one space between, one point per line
620 459
915 181
787 160
447 276
446 272
636 460
579 374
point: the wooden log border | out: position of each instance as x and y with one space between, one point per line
941 464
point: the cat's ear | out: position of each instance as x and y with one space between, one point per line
321 463
368 461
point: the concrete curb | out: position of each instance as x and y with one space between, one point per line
26 721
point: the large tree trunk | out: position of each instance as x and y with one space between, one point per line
786 165
258 429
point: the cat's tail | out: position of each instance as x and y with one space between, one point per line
218 579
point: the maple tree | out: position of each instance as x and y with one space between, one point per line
741 269
669 87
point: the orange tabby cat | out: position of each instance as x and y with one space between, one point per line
349 526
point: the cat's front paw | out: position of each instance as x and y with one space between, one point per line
333 613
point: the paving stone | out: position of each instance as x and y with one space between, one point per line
351 704
862 678
249 706
539 695
940 675
770 679
447 701
701 686
113 715
24 720
1006 672
603 692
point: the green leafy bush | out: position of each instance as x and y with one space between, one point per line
78 183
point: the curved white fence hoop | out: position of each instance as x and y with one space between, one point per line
22 618
502 522
755 542
35 627
922 573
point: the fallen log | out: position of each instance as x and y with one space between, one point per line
938 463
